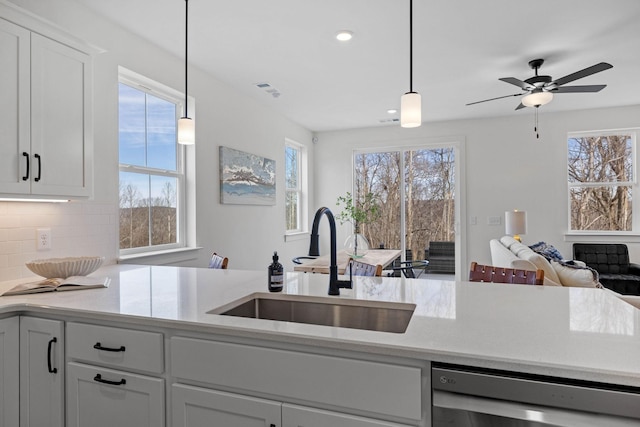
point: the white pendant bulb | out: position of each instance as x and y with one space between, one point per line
186 125
411 102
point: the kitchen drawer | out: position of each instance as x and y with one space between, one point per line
100 397
117 347
373 387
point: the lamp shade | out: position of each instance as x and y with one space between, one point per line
537 98
515 223
186 131
410 110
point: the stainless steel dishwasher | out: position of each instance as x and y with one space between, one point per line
465 397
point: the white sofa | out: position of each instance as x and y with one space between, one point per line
508 252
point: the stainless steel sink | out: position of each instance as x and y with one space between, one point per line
357 314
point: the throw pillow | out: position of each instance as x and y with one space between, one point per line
547 251
576 276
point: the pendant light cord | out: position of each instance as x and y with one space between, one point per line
186 55
410 45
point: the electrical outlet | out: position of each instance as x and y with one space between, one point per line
43 241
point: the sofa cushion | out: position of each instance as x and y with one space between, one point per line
523 264
525 252
507 241
576 276
500 255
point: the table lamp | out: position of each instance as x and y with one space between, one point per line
515 223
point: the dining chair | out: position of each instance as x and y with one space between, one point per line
489 273
218 262
357 268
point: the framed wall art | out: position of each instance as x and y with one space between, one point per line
246 179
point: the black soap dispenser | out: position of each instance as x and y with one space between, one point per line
276 275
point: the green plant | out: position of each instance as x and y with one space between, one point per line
359 212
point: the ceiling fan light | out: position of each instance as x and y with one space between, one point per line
410 110
186 131
537 99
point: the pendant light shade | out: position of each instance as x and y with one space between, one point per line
186 131
536 99
410 110
410 102
186 126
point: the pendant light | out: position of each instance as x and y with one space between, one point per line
411 102
186 126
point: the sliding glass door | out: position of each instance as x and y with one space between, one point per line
416 191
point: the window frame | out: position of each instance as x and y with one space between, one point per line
633 184
301 189
158 90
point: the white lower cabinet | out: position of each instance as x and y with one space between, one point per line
300 416
9 374
100 397
201 407
41 372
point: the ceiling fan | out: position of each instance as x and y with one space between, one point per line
539 90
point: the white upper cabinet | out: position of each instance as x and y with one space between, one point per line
15 130
60 107
46 146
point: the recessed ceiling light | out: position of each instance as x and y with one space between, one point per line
344 35
392 111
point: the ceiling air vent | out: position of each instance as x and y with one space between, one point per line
396 120
269 89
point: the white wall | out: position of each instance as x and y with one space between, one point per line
246 234
506 168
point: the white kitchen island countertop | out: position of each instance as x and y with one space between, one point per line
579 333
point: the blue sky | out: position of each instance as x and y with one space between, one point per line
147 134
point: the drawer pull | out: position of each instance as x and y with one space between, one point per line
51 369
98 378
97 346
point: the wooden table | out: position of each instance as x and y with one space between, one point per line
383 257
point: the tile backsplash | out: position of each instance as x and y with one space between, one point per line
78 228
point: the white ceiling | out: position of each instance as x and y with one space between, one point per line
461 48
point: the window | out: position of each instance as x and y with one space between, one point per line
151 167
601 178
295 204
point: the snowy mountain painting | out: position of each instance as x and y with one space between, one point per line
246 179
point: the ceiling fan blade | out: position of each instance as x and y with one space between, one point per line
493 99
521 106
578 89
582 73
519 83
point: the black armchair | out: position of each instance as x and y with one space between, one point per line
611 261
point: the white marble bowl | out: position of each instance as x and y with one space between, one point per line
65 267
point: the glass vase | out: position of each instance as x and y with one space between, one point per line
356 245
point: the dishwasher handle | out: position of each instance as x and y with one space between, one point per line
540 415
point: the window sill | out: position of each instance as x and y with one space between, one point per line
293 237
602 236
169 256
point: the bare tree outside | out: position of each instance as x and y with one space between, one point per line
137 212
428 182
600 175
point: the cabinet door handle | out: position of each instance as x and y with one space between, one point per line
26 155
97 346
98 378
52 370
37 156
